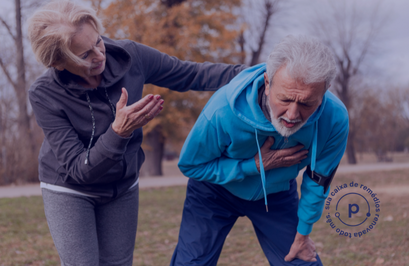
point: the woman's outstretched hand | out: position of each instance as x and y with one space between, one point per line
136 115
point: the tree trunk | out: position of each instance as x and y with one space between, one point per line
24 166
344 95
154 142
351 148
20 88
269 8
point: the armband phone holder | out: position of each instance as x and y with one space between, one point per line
321 180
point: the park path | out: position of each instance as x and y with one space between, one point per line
180 180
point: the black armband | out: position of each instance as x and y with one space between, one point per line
321 180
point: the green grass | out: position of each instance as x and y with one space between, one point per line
25 239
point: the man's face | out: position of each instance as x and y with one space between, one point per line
291 101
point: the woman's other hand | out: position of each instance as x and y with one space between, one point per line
129 118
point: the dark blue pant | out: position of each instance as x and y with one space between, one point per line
210 212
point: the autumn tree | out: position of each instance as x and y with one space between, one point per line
352 34
200 30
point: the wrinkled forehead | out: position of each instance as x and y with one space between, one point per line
290 88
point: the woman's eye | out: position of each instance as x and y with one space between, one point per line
99 40
84 56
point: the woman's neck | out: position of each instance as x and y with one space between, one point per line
91 82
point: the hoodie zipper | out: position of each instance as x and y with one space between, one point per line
283 143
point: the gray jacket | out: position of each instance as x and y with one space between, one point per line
63 112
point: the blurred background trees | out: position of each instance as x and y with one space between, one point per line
255 36
382 126
201 30
353 34
230 31
20 136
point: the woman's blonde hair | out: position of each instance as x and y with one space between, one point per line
50 30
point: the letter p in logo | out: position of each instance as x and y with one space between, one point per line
350 211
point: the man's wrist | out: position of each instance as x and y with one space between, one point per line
257 161
304 228
299 236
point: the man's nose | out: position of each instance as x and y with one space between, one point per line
293 111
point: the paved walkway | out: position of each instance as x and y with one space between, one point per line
150 182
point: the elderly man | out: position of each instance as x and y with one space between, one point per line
248 146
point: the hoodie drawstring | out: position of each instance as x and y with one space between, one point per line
93 128
313 159
263 174
314 149
93 121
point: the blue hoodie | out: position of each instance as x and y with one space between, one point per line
229 132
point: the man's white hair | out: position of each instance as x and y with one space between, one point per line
306 59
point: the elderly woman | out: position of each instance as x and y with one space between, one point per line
91 155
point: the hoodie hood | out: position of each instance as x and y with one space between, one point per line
242 95
118 62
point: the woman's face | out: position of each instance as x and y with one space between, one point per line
88 45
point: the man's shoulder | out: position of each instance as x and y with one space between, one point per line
334 107
217 106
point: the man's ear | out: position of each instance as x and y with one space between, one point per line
267 84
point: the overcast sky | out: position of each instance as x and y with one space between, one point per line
392 60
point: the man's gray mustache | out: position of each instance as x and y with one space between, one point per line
289 120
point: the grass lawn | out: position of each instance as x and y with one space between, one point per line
25 240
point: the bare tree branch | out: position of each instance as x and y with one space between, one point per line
7 73
270 7
8 28
351 34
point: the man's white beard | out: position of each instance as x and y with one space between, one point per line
283 130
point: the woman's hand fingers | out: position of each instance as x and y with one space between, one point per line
122 100
154 111
146 111
143 103
129 118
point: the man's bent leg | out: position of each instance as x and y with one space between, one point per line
276 229
208 217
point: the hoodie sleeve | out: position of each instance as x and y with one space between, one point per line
167 71
202 155
312 200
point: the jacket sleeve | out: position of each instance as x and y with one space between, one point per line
202 156
167 71
312 200
105 156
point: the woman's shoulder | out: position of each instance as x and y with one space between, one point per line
46 80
